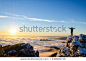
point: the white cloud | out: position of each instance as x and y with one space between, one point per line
46 20
23 17
15 18
82 22
72 21
36 19
63 21
11 14
3 16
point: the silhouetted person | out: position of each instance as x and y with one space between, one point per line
71 30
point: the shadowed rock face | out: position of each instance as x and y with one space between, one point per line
75 47
53 55
1 50
18 50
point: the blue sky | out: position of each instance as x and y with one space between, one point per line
44 13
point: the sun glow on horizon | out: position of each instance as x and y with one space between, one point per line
13 31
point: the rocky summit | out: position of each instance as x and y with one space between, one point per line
75 47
